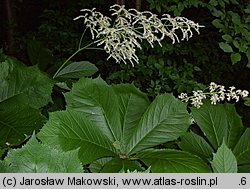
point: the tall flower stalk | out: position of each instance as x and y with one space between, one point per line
121 34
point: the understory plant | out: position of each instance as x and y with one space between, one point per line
116 128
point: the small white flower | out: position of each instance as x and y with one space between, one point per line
221 88
232 88
183 95
212 87
222 96
244 93
214 99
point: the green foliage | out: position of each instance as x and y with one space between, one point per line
196 144
19 119
17 79
3 167
115 128
242 149
165 120
225 47
231 18
99 102
210 119
34 157
224 160
87 120
173 5
78 70
71 130
220 140
235 57
97 166
23 91
130 115
117 165
234 25
173 161
159 72
102 120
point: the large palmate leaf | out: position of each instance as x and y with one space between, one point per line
37 158
98 101
16 79
78 70
219 122
165 120
132 105
242 149
172 161
71 130
118 165
18 120
224 160
195 144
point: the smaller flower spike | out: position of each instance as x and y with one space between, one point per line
217 93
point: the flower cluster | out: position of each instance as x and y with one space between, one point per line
217 93
122 36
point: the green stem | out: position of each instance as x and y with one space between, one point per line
80 42
66 62
95 48
78 50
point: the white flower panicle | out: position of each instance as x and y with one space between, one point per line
217 93
122 36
